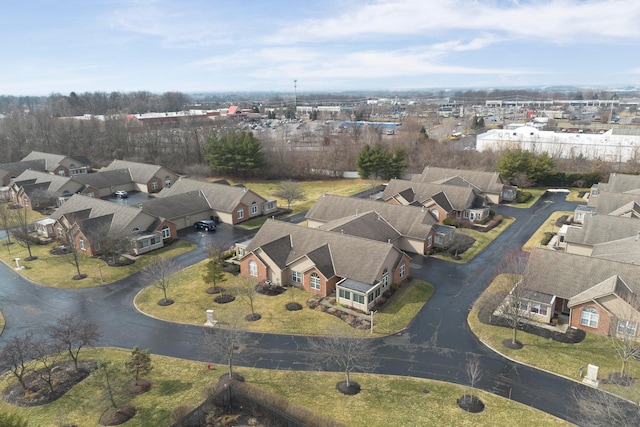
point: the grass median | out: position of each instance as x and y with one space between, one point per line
57 270
191 303
559 358
383 401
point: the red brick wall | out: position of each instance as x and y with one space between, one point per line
172 228
244 267
61 168
324 284
396 272
604 321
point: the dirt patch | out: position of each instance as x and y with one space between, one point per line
351 390
471 404
139 387
115 417
38 393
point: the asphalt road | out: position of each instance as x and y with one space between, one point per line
436 345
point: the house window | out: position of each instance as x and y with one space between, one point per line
61 172
254 208
344 294
627 327
359 298
240 213
402 267
269 206
26 202
371 296
429 241
435 213
296 277
59 231
167 181
315 281
589 317
90 194
154 185
385 278
253 268
82 246
539 309
240 252
166 232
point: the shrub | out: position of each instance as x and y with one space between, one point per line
394 287
12 420
449 221
547 238
523 196
180 411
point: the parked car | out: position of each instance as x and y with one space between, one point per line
205 224
121 194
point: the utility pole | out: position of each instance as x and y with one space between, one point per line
295 94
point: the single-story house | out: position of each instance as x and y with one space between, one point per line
105 183
58 164
358 270
146 177
228 204
183 209
97 224
34 189
416 229
442 201
489 184
10 171
599 229
596 294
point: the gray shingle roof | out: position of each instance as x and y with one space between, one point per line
19 167
620 183
613 285
140 172
603 228
606 202
105 178
410 221
623 250
487 182
453 197
56 181
351 257
123 216
566 275
370 225
221 197
176 206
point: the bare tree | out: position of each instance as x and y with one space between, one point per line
247 293
159 274
72 335
624 335
473 371
73 256
598 408
46 354
16 354
20 220
225 340
345 351
289 191
6 224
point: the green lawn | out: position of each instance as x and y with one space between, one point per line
58 270
482 240
383 401
192 302
548 226
559 358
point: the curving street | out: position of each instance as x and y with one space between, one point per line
434 346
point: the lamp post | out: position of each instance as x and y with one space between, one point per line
372 313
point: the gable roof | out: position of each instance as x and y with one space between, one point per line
103 179
19 167
487 182
613 285
449 197
620 183
140 172
78 205
410 221
603 228
221 197
56 182
622 250
175 206
572 274
370 225
52 161
335 254
606 203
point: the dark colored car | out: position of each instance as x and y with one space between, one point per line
121 194
205 224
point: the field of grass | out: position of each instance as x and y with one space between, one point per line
58 270
536 192
559 358
383 401
192 302
482 239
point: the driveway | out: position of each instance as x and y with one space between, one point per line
435 346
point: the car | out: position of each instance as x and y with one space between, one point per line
205 224
121 194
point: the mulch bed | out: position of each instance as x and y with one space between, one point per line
253 317
269 289
224 299
115 417
165 302
139 387
38 392
351 390
470 404
293 306
572 336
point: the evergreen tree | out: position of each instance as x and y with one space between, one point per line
139 363
235 153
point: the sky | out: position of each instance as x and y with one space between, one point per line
323 45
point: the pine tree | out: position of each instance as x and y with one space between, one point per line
139 363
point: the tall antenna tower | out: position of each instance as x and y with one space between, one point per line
295 94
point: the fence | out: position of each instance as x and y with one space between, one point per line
230 400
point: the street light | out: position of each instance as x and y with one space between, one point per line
372 313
